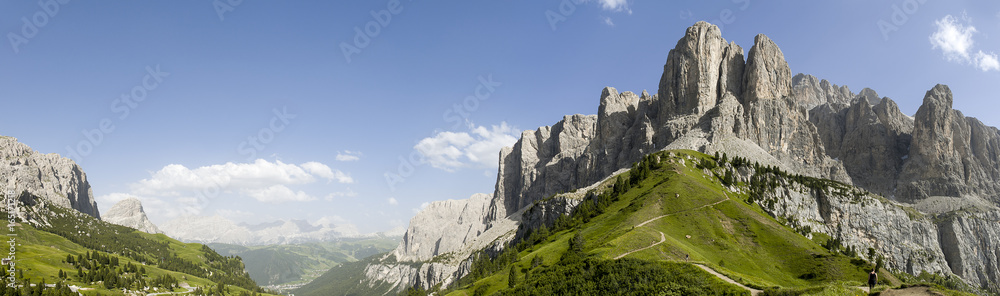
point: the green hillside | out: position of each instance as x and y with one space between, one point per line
70 248
655 230
301 263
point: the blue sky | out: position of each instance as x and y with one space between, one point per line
253 111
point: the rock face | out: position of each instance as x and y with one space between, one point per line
128 212
450 224
56 180
712 99
872 141
811 92
951 155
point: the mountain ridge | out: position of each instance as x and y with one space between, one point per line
710 100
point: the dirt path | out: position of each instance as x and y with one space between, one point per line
663 238
665 215
183 285
729 280
912 291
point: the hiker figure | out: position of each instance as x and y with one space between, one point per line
872 279
687 257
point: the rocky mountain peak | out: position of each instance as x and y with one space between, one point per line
938 100
870 95
767 72
691 75
951 155
129 213
56 180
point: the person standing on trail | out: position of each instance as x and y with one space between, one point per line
872 279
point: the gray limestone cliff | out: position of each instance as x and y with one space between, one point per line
129 213
950 154
54 179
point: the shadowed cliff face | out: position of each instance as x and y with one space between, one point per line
711 98
56 180
951 155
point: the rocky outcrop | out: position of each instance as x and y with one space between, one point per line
907 239
129 213
950 155
971 246
871 141
767 73
450 224
54 179
811 92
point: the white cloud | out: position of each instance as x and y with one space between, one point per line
987 61
326 172
348 155
278 194
480 147
176 190
113 198
339 224
421 208
175 179
393 202
955 40
615 5
348 193
607 21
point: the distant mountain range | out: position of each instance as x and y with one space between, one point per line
217 229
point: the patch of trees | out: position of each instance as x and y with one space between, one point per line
577 276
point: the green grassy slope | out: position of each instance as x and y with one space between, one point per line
41 255
698 218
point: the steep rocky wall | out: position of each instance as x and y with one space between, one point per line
56 180
950 154
871 141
